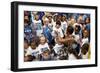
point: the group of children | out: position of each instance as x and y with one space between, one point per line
56 36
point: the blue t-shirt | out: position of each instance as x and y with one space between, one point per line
88 27
28 32
47 34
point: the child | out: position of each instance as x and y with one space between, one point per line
88 26
64 23
27 49
47 31
50 25
72 54
77 33
57 31
28 58
75 42
37 25
61 53
85 51
45 56
44 49
87 23
26 20
27 29
34 50
85 38
71 21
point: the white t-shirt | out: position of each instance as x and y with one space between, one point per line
35 52
57 48
38 27
58 31
32 52
28 51
76 37
54 24
37 24
84 40
50 25
71 57
85 56
64 26
42 48
37 21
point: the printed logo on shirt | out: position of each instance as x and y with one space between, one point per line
35 53
44 49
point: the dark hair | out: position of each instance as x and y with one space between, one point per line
32 41
35 41
58 23
88 19
73 51
70 30
79 28
25 40
58 18
30 58
26 20
85 48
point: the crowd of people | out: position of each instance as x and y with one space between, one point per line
56 36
